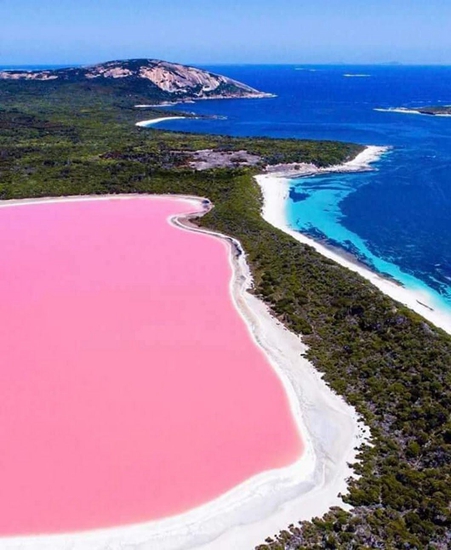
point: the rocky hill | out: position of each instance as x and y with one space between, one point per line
157 79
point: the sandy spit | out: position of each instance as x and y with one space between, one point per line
275 190
266 503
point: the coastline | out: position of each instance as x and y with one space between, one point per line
267 503
275 189
258 95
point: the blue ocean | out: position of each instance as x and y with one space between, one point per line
395 219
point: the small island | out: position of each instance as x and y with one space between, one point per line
433 110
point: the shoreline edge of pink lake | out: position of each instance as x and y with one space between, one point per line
330 429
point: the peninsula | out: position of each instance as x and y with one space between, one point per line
159 81
71 135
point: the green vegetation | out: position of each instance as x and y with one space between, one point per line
443 110
388 362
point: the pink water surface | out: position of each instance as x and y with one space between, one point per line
130 388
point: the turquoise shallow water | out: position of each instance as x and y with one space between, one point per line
396 219
314 207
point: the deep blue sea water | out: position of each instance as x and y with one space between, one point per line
396 219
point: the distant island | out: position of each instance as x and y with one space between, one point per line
434 111
156 80
444 110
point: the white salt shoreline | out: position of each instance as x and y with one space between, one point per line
275 190
268 502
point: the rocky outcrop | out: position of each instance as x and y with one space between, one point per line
171 80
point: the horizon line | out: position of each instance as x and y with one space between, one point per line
237 64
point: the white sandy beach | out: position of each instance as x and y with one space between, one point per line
269 502
397 110
147 123
275 189
155 105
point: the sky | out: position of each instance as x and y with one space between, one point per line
226 31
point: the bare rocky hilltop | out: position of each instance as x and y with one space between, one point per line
158 79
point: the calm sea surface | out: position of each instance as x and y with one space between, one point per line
396 219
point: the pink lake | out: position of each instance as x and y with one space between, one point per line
130 387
